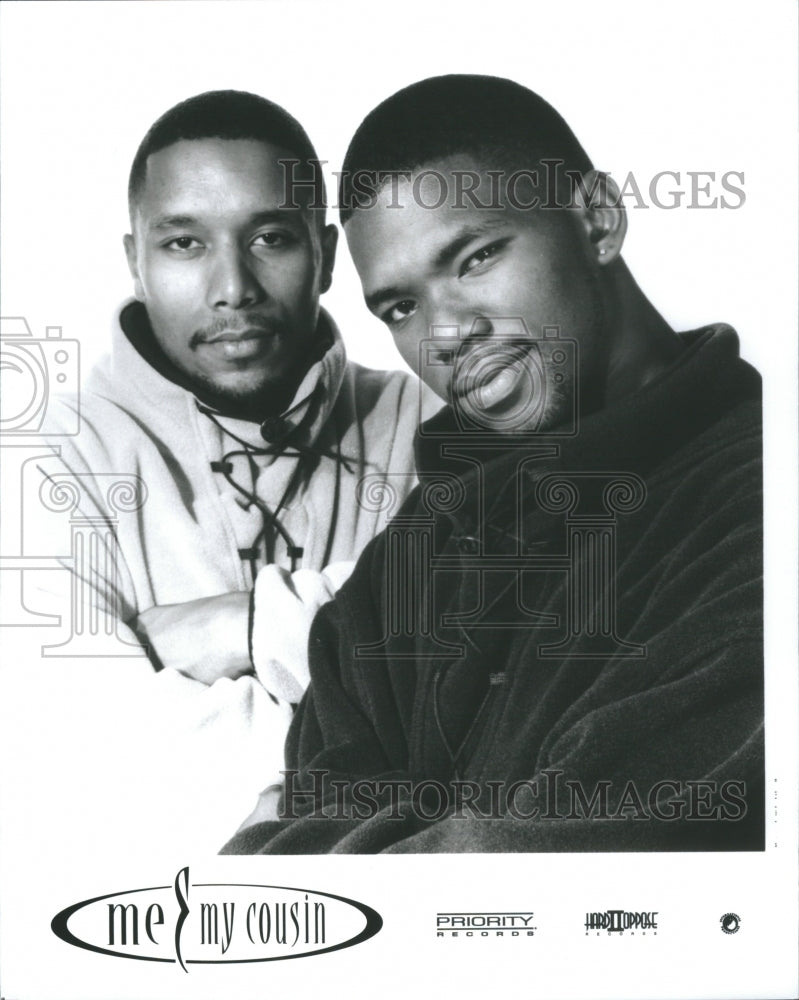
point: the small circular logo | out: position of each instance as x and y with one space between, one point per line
730 923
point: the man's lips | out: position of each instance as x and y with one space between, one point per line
235 336
491 372
239 345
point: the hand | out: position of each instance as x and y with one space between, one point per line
285 606
205 639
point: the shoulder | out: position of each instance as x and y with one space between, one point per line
82 425
95 429
384 391
722 466
698 537
373 382
385 397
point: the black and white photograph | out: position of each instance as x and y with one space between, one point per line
398 460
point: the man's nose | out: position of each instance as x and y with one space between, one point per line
232 283
453 313
490 327
455 316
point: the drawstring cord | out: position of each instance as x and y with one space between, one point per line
340 460
279 448
271 518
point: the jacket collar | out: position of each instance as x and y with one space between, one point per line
634 435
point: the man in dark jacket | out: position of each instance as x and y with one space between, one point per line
557 643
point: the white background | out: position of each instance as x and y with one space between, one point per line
699 86
686 86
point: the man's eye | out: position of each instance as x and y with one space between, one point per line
271 240
398 312
481 256
183 243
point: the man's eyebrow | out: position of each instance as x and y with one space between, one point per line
162 222
443 257
172 222
382 295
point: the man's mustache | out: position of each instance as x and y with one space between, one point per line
249 323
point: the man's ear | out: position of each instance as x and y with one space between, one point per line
598 200
133 266
329 244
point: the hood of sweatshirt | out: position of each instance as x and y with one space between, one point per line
139 380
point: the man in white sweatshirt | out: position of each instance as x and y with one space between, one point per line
240 437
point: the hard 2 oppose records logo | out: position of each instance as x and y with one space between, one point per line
213 923
622 921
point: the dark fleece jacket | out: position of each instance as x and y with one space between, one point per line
507 745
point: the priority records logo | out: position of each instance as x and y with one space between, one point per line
730 923
516 925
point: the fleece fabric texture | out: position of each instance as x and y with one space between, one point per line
662 751
211 749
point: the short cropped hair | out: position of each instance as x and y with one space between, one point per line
226 114
499 122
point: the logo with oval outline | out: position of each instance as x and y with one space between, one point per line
210 923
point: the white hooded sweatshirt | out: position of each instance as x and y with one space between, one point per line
151 756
